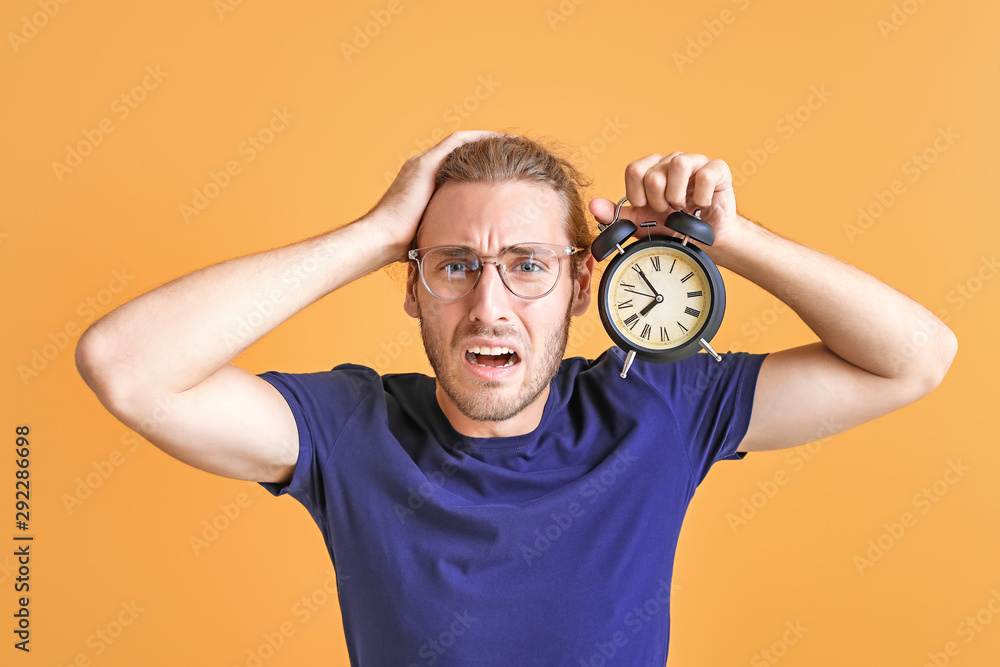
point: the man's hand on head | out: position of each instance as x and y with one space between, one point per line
402 206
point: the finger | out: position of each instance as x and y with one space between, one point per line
708 180
679 172
635 172
459 137
654 183
604 209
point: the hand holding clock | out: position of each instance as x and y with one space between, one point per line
663 192
657 185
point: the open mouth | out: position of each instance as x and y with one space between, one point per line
492 357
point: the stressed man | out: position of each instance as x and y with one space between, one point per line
518 507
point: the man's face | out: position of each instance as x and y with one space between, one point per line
490 218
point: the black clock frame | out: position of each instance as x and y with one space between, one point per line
717 305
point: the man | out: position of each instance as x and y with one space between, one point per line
517 508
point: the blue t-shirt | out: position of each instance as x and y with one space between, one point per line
551 548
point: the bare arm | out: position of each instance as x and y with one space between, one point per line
879 349
161 362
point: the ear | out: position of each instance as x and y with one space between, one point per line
581 287
410 302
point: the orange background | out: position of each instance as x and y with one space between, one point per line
572 71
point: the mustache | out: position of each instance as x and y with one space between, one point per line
480 331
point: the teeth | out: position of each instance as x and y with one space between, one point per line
509 363
492 351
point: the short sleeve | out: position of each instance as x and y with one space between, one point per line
322 403
711 402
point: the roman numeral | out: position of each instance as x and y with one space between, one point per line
627 285
691 295
632 320
645 331
625 304
655 261
672 265
687 277
664 336
683 328
692 312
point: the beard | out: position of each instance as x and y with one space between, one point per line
490 401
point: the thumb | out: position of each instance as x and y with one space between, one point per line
603 209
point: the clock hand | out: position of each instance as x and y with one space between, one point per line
640 293
649 307
643 276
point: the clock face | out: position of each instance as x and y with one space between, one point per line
658 298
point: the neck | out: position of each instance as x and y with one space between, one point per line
525 421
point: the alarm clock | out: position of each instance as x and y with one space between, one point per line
660 299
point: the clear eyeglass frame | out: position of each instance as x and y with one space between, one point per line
418 254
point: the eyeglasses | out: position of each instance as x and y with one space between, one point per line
528 270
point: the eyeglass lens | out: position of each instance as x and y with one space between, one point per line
528 271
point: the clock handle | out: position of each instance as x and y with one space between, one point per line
612 235
618 209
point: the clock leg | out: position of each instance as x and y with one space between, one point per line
629 358
708 348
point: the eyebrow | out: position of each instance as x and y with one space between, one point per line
513 245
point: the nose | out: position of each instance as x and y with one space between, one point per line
491 300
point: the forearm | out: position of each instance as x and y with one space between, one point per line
176 335
858 317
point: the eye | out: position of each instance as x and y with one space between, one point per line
454 265
527 262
